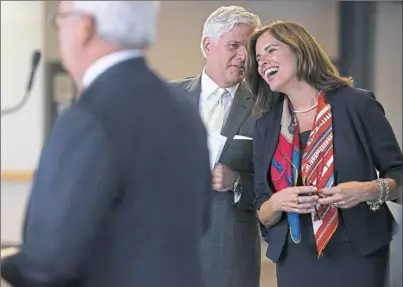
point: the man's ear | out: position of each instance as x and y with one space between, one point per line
86 29
207 43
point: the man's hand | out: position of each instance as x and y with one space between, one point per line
224 178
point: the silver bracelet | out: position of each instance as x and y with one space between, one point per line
383 194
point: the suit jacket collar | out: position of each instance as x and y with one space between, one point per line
132 65
107 62
240 109
194 89
331 96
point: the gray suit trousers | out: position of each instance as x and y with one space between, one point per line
230 250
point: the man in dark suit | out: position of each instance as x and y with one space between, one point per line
123 187
231 249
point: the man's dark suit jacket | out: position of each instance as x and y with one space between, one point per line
230 250
122 193
364 142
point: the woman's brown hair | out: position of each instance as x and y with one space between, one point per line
313 64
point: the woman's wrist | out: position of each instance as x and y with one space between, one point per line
371 191
271 204
269 215
378 195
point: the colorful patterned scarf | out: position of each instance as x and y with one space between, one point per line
317 168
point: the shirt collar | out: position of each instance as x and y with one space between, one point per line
209 86
106 62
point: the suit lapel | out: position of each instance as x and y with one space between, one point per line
240 110
194 90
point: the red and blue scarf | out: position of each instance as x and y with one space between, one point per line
316 168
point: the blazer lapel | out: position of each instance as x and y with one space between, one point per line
272 129
331 97
194 90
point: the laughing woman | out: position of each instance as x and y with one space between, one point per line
318 145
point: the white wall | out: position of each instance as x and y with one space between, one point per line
388 89
388 62
14 198
22 31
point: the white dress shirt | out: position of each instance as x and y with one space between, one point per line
106 62
208 88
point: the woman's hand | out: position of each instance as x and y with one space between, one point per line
298 199
348 194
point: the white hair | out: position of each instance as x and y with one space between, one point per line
124 23
224 20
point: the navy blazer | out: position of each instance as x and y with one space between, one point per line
123 190
364 142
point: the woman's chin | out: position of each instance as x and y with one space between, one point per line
274 87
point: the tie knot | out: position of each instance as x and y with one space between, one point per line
219 95
221 92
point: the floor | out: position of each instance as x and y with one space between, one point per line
13 200
268 274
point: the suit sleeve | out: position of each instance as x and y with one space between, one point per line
72 193
245 199
385 149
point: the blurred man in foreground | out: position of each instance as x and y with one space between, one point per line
121 195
